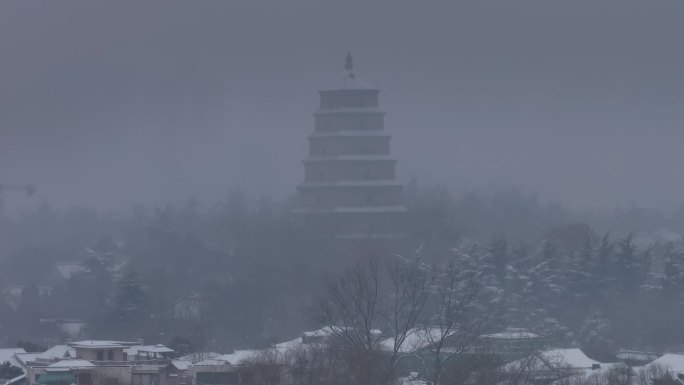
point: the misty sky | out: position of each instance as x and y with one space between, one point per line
112 103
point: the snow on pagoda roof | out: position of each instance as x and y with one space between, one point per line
350 81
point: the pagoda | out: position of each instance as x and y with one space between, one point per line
350 186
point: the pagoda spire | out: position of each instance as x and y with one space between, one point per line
348 62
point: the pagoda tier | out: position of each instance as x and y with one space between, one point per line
350 179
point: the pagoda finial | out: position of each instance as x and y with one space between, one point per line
348 62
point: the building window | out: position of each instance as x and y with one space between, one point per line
362 125
370 200
321 175
100 355
110 355
318 200
367 174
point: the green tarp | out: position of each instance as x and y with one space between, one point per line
57 379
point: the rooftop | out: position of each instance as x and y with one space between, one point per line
96 344
416 339
672 362
148 349
71 364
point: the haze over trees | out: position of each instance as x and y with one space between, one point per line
259 279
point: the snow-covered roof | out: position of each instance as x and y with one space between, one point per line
636 355
24 358
234 358
76 363
133 350
181 364
289 344
212 362
416 339
199 357
572 358
101 344
9 355
672 362
57 351
512 334
605 369
238 356
350 81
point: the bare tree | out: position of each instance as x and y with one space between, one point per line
455 322
350 308
365 298
408 294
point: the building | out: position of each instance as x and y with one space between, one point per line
512 343
350 187
103 362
